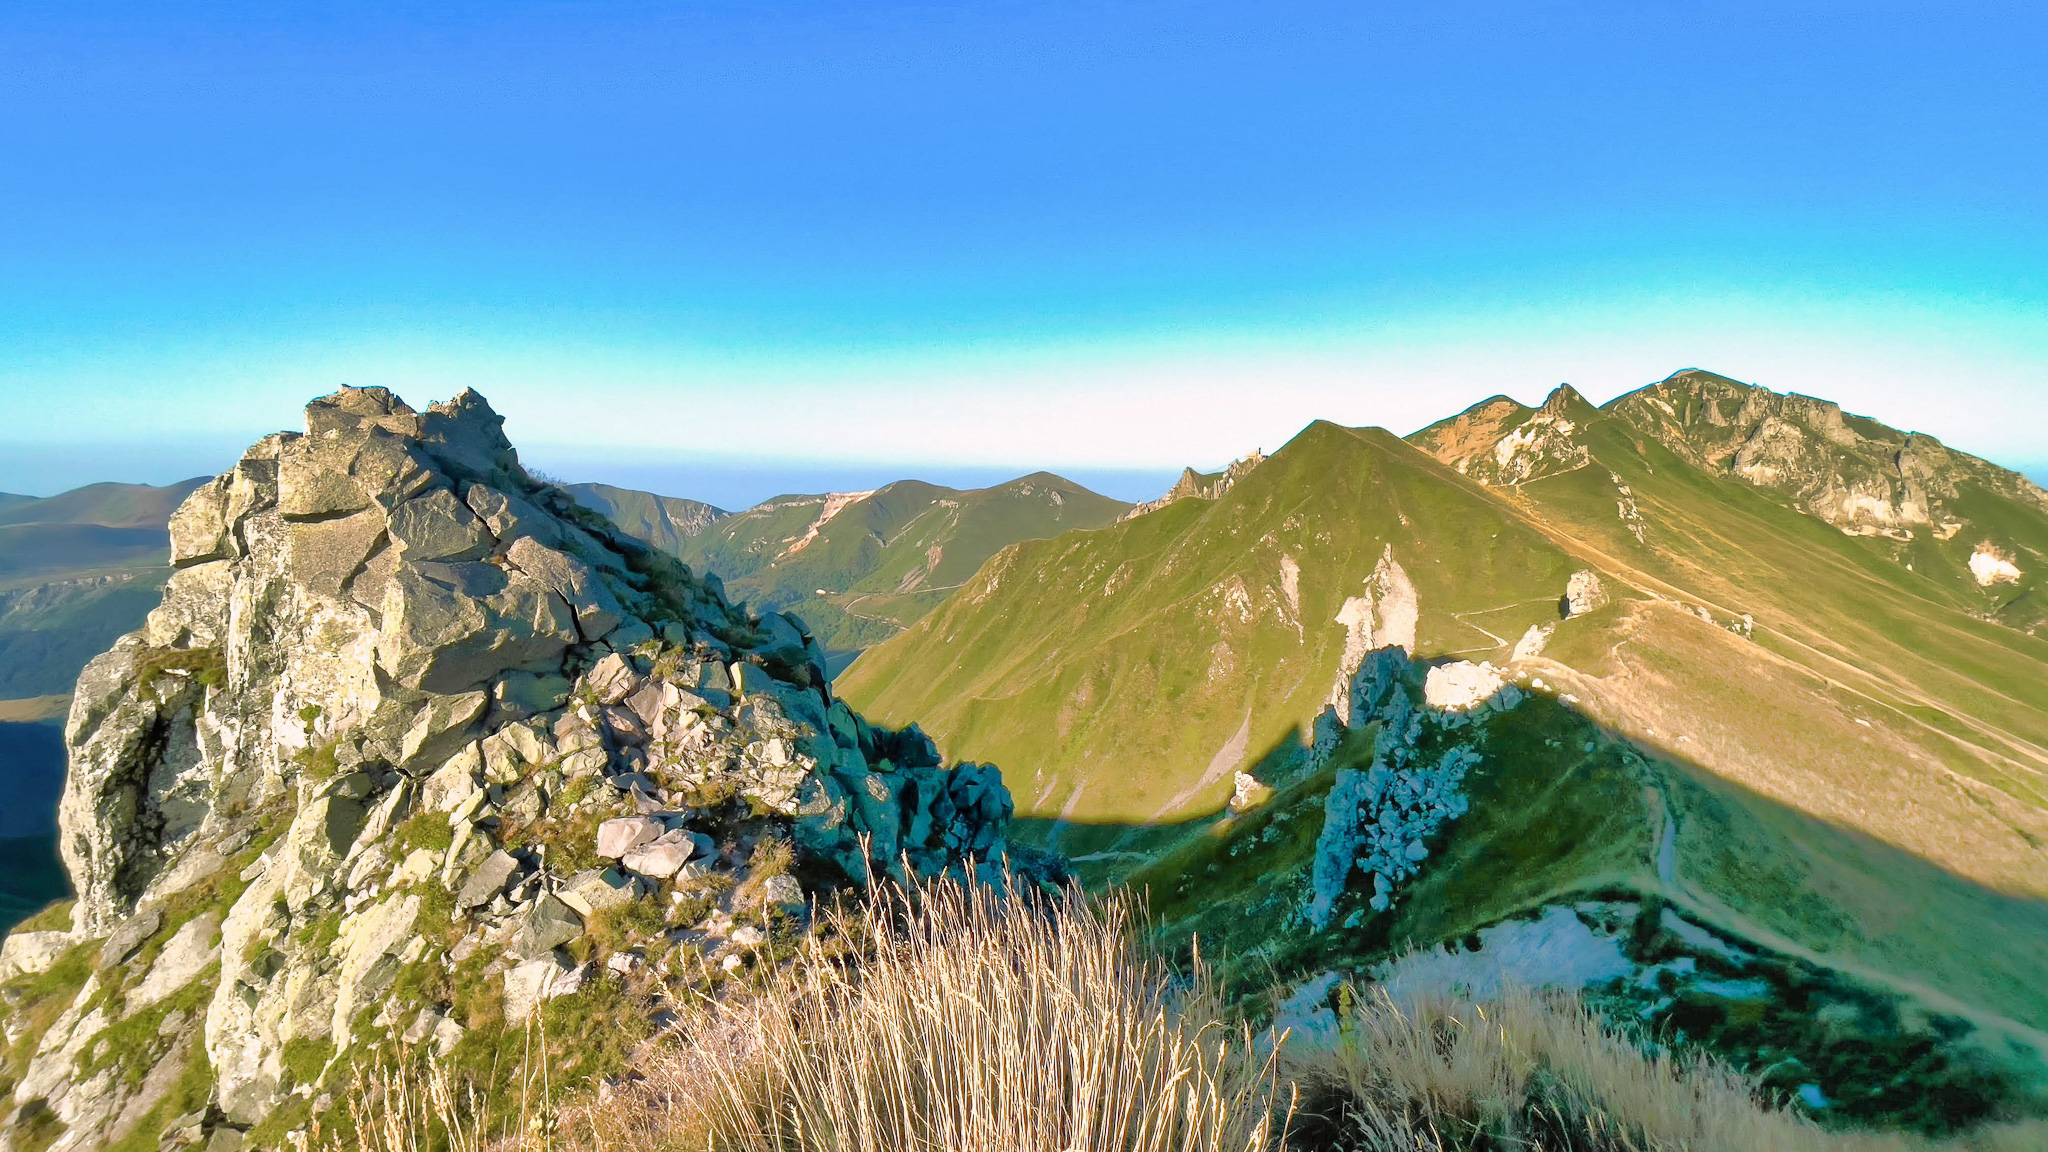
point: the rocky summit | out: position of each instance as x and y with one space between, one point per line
414 744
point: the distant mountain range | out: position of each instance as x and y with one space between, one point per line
663 521
859 567
77 570
1776 667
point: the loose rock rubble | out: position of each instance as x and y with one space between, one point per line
405 710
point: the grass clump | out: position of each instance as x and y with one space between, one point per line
53 918
206 666
980 1020
305 1058
424 829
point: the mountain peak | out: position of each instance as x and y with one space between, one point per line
425 706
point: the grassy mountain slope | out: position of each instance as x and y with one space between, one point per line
76 570
662 521
108 505
860 567
1125 673
1825 741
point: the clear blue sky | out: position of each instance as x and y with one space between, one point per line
937 238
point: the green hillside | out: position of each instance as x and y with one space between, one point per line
1800 717
77 570
860 567
1121 675
107 505
662 521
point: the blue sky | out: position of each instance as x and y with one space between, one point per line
767 241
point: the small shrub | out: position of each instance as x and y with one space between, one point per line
424 829
317 761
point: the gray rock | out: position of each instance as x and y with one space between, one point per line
535 982
184 956
662 857
127 937
617 837
594 891
751 679
199 528
32 952
782 891
488 880
596 610
453 782
547 924
436 526
1583 593
611 679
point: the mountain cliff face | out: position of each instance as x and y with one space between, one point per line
412 746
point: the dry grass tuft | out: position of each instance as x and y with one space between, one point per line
952 1018
977 1020
1541 1072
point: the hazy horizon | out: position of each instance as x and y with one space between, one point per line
1134 235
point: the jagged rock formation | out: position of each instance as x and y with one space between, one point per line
1498 441
1854 473
1199 485
374 733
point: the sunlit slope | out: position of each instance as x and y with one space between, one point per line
663 522
1870 695
1122 675
859 567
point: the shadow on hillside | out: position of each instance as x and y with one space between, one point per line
1890 981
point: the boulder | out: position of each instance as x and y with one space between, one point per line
488 880
617 837
595 890
436 526
547 924
612 679
596 610
34 952
535 982
127 937
1583 594
184 956
663 856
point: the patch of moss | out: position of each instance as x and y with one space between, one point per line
424 829
192 1093
305 1058
134 1044
38 999
206 666
53 918
318 761
623 925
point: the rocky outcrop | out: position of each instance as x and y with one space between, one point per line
1500 442
1199 486
387 719
1378 823
1856 474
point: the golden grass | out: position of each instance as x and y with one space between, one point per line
952 1018
1537 1072
978 1021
